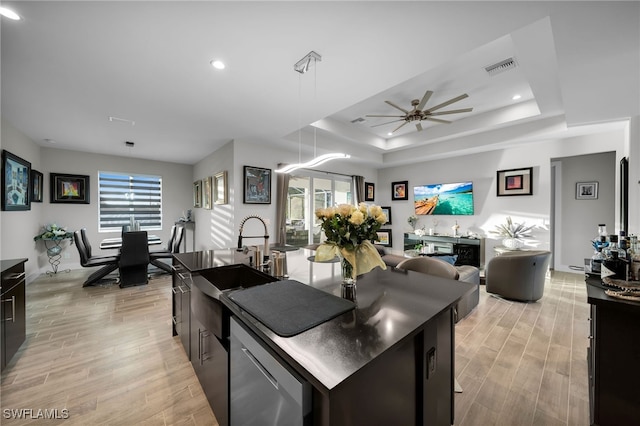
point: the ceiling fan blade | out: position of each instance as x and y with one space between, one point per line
396 106
398 128
425 99
388 122
437 120
391 116
453 111
419 127
449 102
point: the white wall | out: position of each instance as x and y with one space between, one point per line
17 228
219 227
489 208
573 244
175 200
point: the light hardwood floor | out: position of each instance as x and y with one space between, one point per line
107 356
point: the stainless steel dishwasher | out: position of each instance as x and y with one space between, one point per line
263 389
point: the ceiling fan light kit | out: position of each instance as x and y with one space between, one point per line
418 113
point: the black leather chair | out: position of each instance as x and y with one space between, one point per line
134 259
108 263
173 246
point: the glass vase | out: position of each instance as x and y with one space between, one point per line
348 286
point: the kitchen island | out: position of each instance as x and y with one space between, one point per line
388 361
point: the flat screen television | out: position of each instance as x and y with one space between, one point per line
444 199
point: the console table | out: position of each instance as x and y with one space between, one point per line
470 251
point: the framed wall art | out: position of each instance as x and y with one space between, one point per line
16 188
586 190
220 188
384 238
67 188
515 182
197 194
369 191
257 185
206 192
400 190
387 211
36 186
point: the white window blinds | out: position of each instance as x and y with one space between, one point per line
127 197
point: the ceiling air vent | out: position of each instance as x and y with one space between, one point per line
501 66
358 120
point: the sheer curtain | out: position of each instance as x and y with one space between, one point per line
358 184
282 188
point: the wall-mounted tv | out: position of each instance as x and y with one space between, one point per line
444 199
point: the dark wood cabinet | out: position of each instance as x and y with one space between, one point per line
612 355
209 350
12 309
181 305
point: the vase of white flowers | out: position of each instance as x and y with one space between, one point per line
349 231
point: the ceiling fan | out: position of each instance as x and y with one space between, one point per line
418 114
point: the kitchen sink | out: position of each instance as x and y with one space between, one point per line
209 285
236 276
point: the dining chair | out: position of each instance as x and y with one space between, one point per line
108 263
134 259
173 246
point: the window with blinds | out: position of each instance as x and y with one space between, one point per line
126 197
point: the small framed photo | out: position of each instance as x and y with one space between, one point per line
399 190
586 190
36 186
16 176
384 238
387 212
207 192
369 191
257 185
67 188
515 182
220 188
197 193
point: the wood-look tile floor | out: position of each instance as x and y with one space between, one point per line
107 356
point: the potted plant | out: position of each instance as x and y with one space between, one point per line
513 234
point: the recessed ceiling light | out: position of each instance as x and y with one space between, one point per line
217 64
516 97
49 141
390 134
8 13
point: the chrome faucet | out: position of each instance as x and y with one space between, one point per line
265 252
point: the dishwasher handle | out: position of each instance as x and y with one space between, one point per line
260 367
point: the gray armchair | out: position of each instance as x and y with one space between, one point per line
518 275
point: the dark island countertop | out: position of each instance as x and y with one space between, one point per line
392 306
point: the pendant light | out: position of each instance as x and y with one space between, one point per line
302 66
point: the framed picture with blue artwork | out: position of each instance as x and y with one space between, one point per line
16 182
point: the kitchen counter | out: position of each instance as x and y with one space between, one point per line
399 340
392 304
